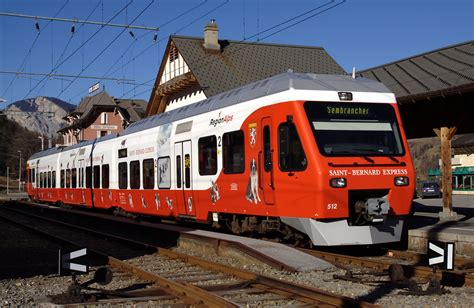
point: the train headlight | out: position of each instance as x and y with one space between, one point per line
338 182
401 181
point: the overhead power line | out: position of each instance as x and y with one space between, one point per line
77 49
65 75
80 21
106 47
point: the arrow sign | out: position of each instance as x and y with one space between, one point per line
66 258
441 253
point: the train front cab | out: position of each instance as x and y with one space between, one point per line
361 172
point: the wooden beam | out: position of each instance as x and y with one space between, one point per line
446 134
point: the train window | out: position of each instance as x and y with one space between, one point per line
123 175
164 172
41 180
267 154
79 182
233 152
53 179
178 171
122 153
187 171
49 179
68 178
207 155
89 177
148 174
73 178
63 178
105 176
290 150
135 174
33 175
96 176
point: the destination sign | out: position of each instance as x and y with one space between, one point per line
347 110
358 172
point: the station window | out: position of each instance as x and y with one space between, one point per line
53 179
105 176
135 174
164 172
123 175
290 149
73 178
96 176
148 174
89 177
233 152
207 155
63 178
68 178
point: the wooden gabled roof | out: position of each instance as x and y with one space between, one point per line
236 64
438 72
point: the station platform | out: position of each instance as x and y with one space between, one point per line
425 225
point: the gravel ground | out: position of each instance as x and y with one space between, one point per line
29 291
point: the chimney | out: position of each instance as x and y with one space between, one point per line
211 42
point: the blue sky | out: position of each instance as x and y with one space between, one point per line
357 33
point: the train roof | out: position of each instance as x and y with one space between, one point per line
276 84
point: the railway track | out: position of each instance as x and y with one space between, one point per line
407 260
175 276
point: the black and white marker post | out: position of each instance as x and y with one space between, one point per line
66 267
441 253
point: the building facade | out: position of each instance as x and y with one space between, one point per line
100 115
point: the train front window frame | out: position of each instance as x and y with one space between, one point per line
355 129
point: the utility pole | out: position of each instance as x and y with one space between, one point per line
42 142
19 174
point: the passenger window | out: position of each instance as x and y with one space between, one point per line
105 176
49 179
187 171
164 172
290 149
267 154
53 179
123 175
148 174
68 178
88 177
207 155
178 171
233 152
63 178
33 176
96 176
74 178
135 174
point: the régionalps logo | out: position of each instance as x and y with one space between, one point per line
221 119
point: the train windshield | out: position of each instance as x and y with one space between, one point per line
355 129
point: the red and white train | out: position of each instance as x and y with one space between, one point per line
316 157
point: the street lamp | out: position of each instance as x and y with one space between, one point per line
19 174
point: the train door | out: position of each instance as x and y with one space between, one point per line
184 183
266 167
